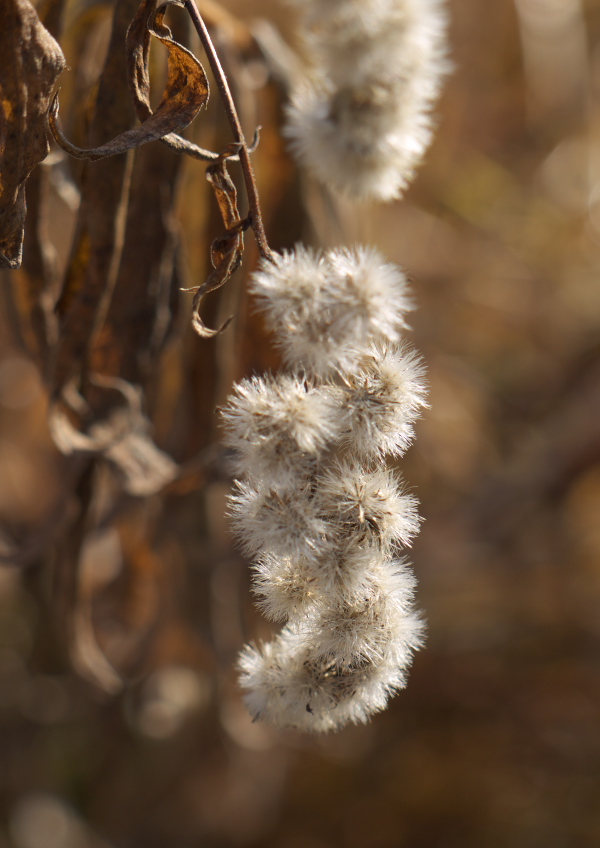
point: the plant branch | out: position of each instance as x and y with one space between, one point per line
256 221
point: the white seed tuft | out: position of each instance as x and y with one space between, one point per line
286 586
292 682
366 508
278 426
361 120
326 309
367 626
382 399
282 522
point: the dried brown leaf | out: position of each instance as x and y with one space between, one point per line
186 92
34 287
226 251
121 436
31 61
139 314
91 272
138 50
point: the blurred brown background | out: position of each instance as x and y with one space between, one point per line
496 740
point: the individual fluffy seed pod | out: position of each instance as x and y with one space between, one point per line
280 522
363 626
294 586
361 121
295 689
277 681
346 572
382 399
372 295
366 508
278 426
352 139
286 586
292 683
325 309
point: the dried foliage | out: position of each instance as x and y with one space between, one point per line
186 91
225 251
31 63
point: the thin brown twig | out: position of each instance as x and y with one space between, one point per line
256 221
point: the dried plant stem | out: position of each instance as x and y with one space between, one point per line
256 221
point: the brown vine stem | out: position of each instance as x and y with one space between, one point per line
256 221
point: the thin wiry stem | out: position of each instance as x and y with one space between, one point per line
234 121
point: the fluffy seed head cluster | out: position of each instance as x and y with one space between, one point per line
279 426
326 308
366 507
381 401
322 519
361 119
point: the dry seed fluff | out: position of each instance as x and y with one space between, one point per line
323 521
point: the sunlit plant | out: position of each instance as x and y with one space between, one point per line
323 519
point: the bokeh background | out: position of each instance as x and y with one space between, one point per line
121 724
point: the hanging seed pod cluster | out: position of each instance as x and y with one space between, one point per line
322 517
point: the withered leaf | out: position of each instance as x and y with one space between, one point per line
122 437
138 51
139 314
185 93
30 62
91 271
34 291
226 251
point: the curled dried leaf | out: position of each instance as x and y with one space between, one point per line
122 437
186 91
226 251
138 51
31 61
